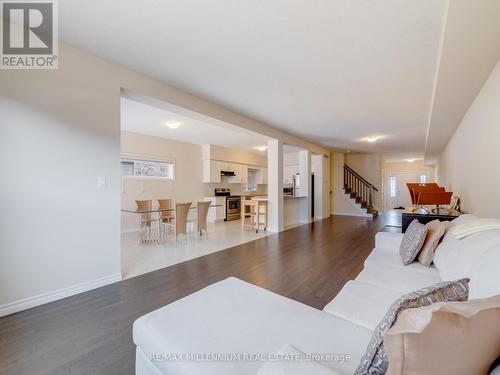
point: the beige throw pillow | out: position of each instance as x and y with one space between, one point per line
374 361
445 338
435 231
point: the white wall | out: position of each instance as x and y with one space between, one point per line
215 152
291 158
305 186
187 186
275 186
469 165
340 204
60 233
319 186
418 166
60 131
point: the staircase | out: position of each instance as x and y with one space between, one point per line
359 191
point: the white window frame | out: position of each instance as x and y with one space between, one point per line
150 158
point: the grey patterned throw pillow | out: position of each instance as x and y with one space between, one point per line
412 242
374 361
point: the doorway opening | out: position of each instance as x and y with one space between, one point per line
169 157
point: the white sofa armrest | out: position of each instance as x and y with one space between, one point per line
387 240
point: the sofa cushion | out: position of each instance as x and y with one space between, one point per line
412 241
361 303
388 240
391 257
435 231
485 275
402 279
447 245
374 361
466 252
292 361
233 316
443 339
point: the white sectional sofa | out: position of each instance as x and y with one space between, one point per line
234 317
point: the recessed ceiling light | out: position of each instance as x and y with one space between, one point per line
261 148
372 139
348 151
173 124
410 160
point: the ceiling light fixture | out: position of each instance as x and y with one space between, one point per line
173 124
410 160
261 148
372 139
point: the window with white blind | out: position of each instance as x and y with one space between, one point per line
392 186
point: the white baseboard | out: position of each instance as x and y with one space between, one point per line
41 299
296 225
368 216
317 218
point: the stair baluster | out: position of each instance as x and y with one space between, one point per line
359 189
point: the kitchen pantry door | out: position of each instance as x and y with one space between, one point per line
401 196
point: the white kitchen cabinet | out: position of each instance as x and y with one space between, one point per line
288 172
240 172
243 173
261 175
211 171
229 167
216 214
264 176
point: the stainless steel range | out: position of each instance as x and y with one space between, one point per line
233 203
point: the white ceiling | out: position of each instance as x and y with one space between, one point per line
331 71
145 119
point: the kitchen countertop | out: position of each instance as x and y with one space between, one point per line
248 194
238 194
261 198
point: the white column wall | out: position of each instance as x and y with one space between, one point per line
317 169
275 185
305 185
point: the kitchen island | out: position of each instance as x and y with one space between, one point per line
293 211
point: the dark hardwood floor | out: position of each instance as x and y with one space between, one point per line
91 333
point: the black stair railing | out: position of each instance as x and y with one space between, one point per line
354 183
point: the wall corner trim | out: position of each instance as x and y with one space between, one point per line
41 299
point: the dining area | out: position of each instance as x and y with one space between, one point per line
166 233
158 219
